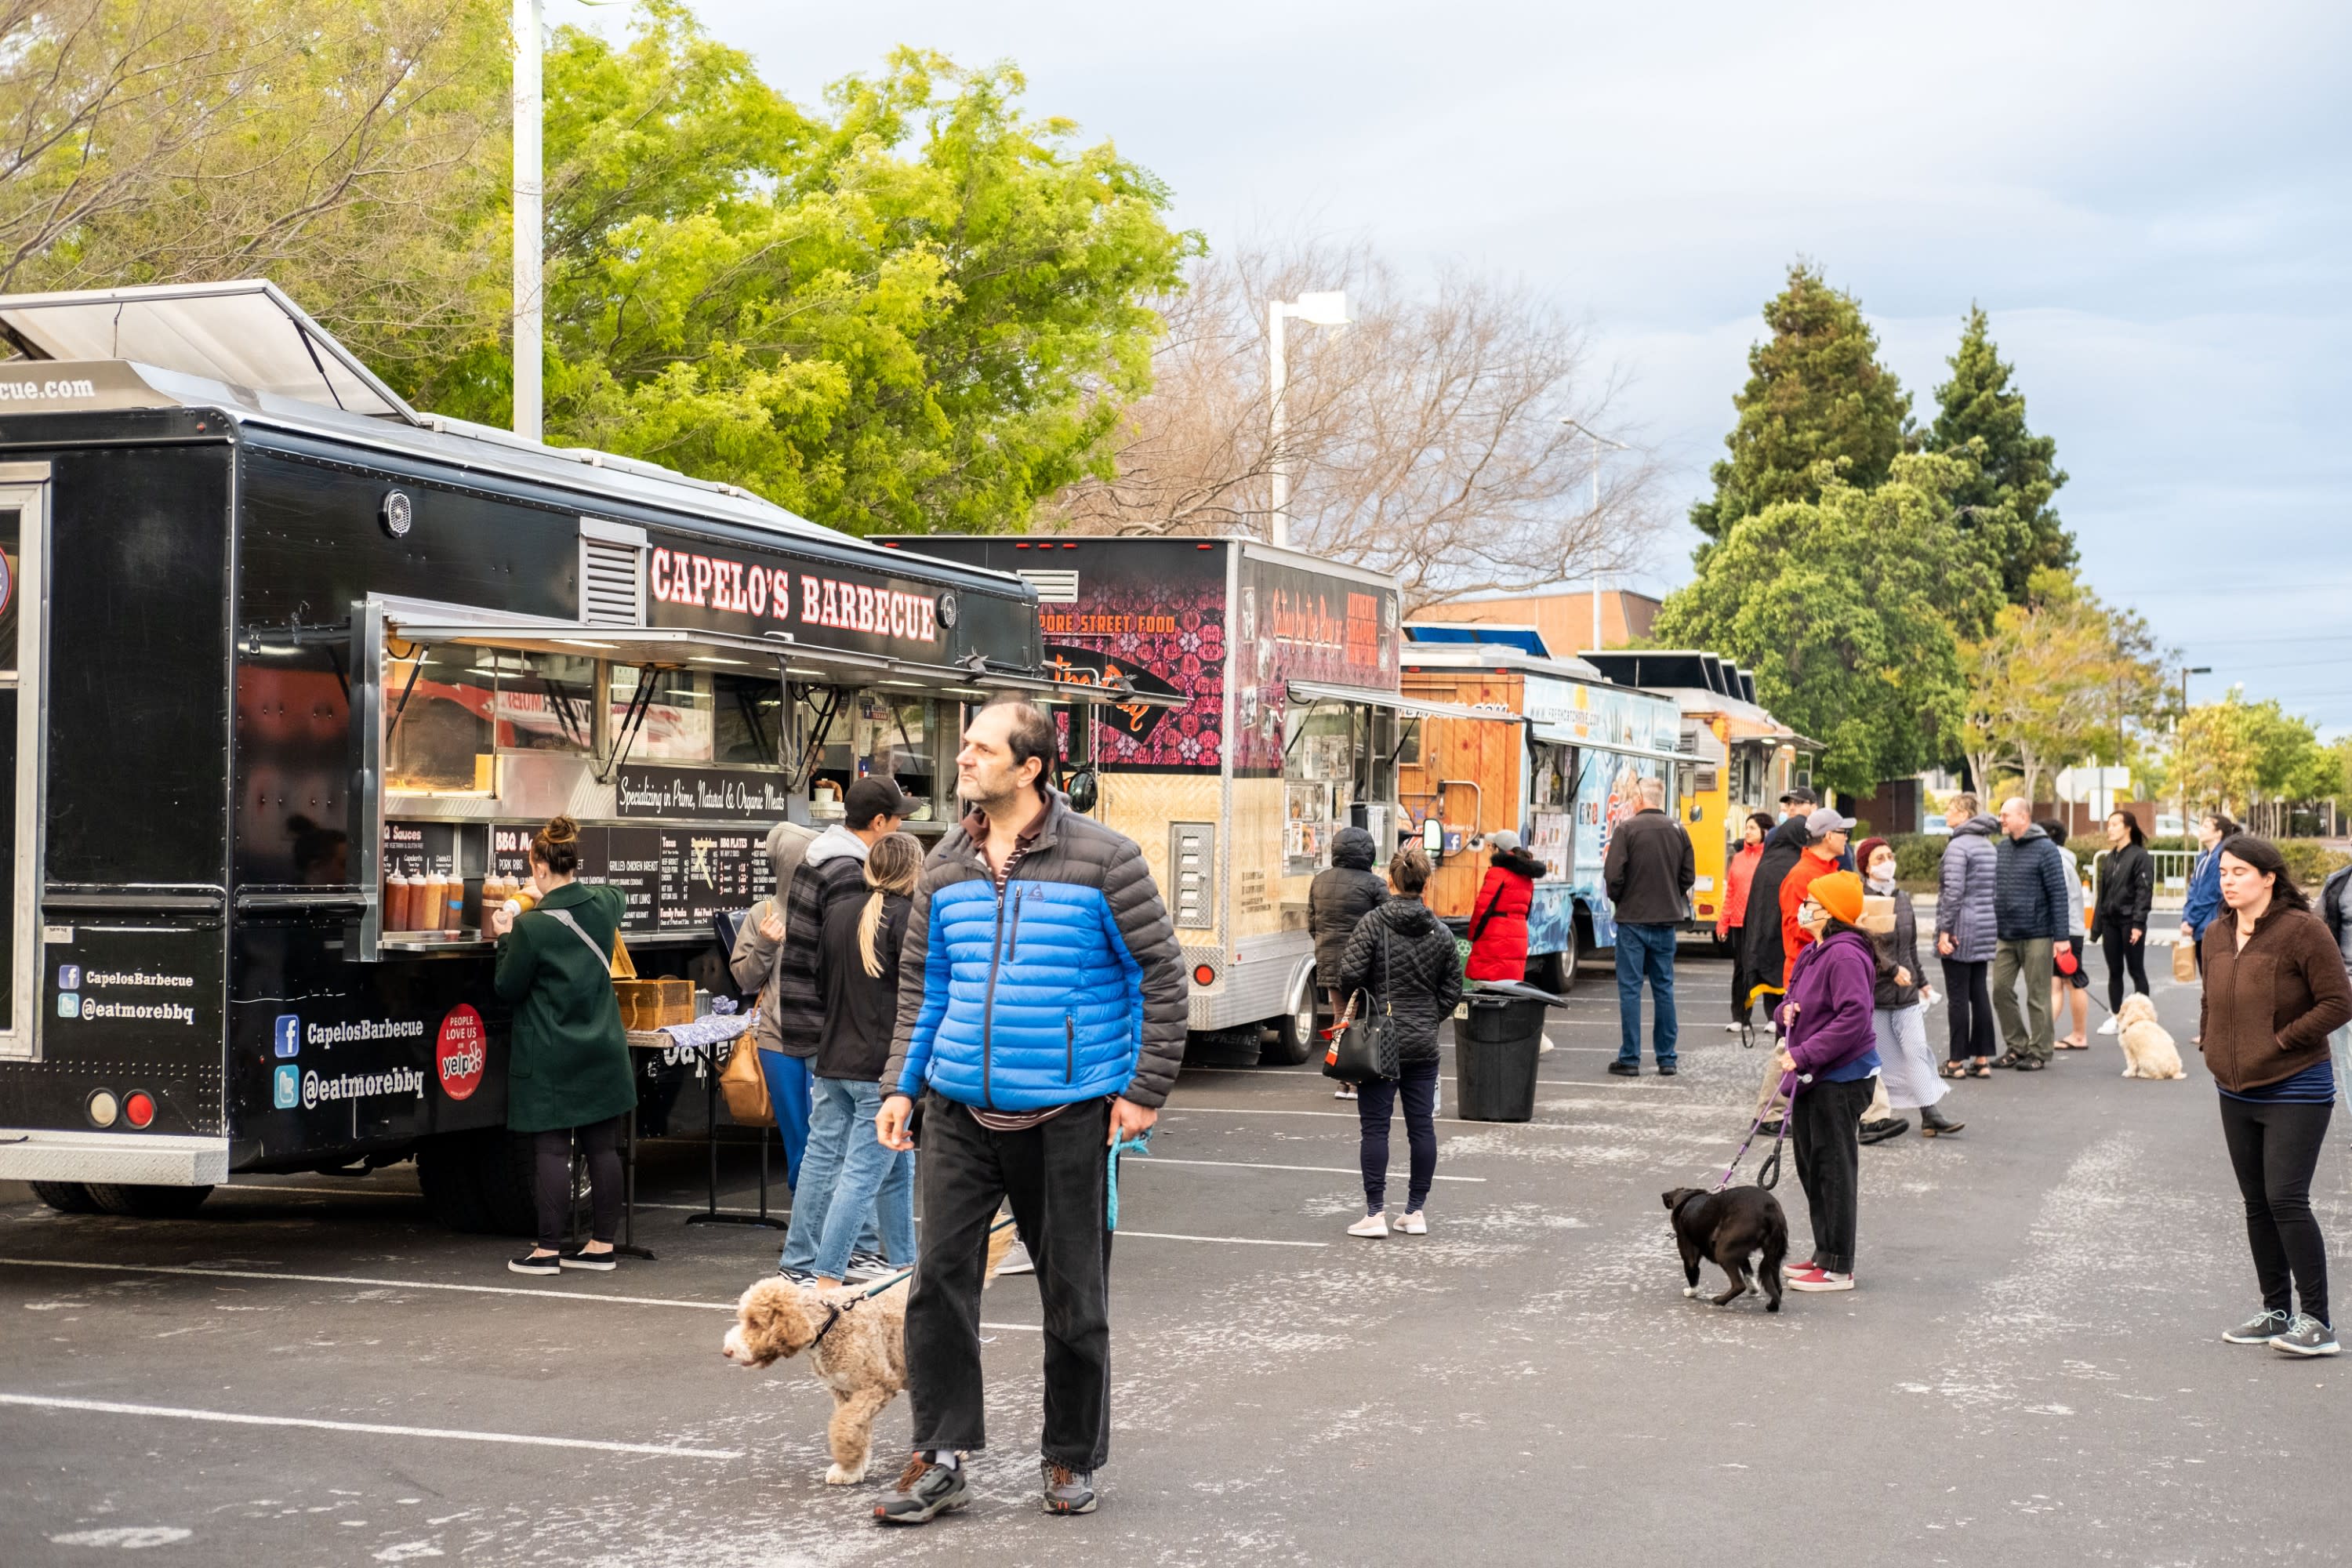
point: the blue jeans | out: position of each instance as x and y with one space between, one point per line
833 1128
1416 1084
788 1097
875 1192
1645 950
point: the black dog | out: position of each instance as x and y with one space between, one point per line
1725 1228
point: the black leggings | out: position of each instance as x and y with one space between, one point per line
1969 988
2116 941
599 1141
1742 1010
2273 1147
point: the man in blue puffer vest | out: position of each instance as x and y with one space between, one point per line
1041 1016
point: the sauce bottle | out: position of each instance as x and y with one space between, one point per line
395 901
453 912
429 899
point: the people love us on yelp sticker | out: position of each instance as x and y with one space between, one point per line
461 1050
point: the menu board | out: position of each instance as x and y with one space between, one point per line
672 879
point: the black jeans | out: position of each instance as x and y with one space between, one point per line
1967 987
1824 1122
2274 1148
2115 940
1417 1082
600 1144
1052 1173
1741 1012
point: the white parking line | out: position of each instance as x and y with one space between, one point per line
1220 1240
1347 1115
402 1285
1252 1165
251 1187
371 1428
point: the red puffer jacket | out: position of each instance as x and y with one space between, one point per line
1498 945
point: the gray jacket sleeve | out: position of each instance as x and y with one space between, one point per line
1151 938
754 958
1951 881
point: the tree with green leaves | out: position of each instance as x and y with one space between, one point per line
1979 414
1818 408
1851 609
2059 679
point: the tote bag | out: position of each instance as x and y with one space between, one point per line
1364 1046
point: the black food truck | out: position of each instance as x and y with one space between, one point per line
289 671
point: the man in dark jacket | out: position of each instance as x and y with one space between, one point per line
831 873
1041 1016
1646 872
1336 900
1763 956
2030 915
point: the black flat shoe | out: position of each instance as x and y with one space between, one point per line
537 1263
1625 1069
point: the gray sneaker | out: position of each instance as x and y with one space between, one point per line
2258 1330
924 1490
2305 1336
866 1267
1017 1260
1068 1491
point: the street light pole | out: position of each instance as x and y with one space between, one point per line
528 189
1323 309
2179 736
1598 442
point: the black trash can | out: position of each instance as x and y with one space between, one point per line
1496 1049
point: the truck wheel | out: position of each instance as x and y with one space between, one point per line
1561 968
67 1197
147 1202
1294 1033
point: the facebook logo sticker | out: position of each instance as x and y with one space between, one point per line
289 1034
68 976
287 1088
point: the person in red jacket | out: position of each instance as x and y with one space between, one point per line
1829 830
1499 916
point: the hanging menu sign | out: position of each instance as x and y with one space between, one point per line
657 789
671 878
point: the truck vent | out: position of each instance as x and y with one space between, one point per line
1053 587
611 575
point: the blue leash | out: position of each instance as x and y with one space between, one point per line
1142 1147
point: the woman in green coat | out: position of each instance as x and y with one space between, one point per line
568 1073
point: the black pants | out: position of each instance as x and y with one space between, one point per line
1740 1010
2274 1148
2116 941
1969 988
1417 1083
1823 1123
600 1142
1053 1174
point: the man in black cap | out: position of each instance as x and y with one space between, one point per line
1800 802
832 870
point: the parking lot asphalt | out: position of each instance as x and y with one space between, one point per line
309 1371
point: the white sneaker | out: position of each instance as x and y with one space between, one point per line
1414 1224
1345 1091
2110 1026
1017 1259
1547 1046
1372 1226
1731 1028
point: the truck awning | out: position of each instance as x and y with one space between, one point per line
688 648
1410 707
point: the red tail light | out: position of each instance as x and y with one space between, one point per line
138 1108
1203 974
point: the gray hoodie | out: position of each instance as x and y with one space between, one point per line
753 963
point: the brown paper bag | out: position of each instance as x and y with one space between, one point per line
1878 913
2184 963
744 1085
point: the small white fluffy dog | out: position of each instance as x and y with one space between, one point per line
2148 1051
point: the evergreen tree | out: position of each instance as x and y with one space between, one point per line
1817 406
2007 503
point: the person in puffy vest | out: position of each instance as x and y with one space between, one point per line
1499 916
1041 1014
1336 900
1403 958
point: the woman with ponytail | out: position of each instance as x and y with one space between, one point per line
857 978
568 1074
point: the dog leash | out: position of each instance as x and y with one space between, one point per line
1767 1175
1140 1144
875 1289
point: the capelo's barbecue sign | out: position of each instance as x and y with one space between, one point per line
753 591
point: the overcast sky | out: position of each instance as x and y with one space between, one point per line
2150 199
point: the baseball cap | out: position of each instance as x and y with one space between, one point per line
1840 893
1827 821
1800 795
872 796
1502 838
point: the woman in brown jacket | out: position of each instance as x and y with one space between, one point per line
2274 989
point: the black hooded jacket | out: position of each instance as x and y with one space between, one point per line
1407 960
1342 896
1761 960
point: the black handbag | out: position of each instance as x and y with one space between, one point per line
1364 1046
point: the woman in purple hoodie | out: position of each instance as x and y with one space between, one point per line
1828 1047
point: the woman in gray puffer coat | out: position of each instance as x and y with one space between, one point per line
1336 900
1966 932
1405 961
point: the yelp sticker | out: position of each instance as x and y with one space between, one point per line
461 1050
